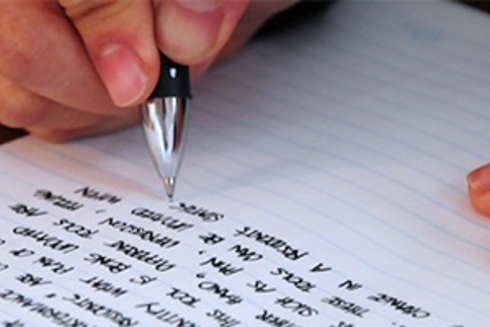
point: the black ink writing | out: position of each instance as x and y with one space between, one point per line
46 240
223 267
320 268
143 279
57 267
111 264
202 213
164 315
221 292
166 221
32 280
399 305
350 285
144 234
99 310
270 241
261 287
273 320
183 297
160 264
98 284
52 315
223 319
302 309
23 209
58 200
212 238
93 194
22 253
293 279
346 306
76 229
246 254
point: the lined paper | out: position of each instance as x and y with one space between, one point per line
323 185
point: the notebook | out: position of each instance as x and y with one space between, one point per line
323 184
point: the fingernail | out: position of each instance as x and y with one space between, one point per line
189 28
479 180
122 73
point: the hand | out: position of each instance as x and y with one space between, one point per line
74 68
479 189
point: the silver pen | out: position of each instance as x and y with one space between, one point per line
164 119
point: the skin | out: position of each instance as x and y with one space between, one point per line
74 68
479 189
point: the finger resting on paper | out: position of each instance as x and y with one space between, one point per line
479 189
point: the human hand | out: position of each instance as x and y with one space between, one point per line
73 68
479 189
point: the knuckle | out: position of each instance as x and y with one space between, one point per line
89 12
20 43
19 108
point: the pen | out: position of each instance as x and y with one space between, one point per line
164 117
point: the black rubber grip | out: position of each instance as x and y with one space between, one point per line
174 80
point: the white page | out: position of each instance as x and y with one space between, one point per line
344 143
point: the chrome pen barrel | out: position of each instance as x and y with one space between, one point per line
164 125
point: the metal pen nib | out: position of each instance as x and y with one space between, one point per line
164 117
165 130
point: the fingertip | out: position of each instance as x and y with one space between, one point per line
123 73
479 189
191 32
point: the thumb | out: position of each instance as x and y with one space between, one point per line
194 31
119 38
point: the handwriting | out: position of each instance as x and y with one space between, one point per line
205 214
162 314
114 266
46 240
245 254
160 264
56 267
221 292
23 209
58 200
399 305
346 306
144 234
93 194
100 310
224 319
123 264
99 284
302 309
273 320
271 241
44 311
222 266
31 280
164 220
298 282
183 297
74 228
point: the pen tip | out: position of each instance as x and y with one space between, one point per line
169 184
